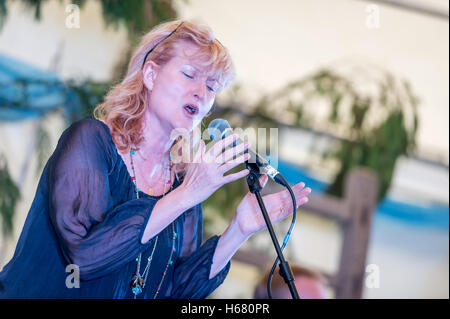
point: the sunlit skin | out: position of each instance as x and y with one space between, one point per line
182 80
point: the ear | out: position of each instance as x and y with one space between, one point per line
149 74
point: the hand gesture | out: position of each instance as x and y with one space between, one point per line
205 174
249 217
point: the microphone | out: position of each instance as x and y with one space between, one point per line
220 128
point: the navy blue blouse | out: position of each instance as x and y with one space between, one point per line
85 213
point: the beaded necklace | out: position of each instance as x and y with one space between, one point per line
139 280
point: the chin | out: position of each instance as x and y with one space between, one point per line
183 126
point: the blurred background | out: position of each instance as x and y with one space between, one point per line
358 91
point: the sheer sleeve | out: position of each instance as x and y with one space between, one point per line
93 233
193 230
192 269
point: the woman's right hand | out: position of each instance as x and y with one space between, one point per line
205 174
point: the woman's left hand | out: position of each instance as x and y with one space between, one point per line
278 205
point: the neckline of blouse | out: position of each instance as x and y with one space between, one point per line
175 183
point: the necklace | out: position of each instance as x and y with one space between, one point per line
139 280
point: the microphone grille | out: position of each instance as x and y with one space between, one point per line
218 129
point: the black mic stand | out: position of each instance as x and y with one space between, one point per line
285 270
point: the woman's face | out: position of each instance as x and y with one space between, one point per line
180 83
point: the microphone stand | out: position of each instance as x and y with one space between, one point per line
285 270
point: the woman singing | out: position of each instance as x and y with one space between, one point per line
113 215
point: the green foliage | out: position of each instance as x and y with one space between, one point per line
89 94
9 196
135 15
138 16
42 148
3 12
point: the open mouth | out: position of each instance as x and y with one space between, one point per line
191 109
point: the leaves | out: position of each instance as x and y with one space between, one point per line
3 13
137 16
9 196
42 147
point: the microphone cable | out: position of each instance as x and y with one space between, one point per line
286 238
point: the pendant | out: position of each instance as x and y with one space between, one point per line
136 284
137 290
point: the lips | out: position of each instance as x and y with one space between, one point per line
191 109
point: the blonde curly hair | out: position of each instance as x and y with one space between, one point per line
125 104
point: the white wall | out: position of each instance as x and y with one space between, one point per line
90 51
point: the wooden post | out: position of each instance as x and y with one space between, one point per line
361 186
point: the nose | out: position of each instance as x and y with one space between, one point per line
199 90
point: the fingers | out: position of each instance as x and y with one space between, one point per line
300 197
298 190
232 152
263 180
200 151
233 163
287 208
301 201
285 200
235 176
285 195
300 194
218 148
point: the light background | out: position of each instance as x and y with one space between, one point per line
272 43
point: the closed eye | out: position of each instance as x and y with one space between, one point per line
187 75
191 77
